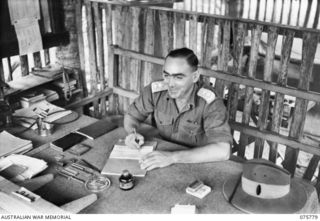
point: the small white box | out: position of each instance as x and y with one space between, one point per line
198 189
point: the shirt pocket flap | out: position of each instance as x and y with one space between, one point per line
192 128
164 119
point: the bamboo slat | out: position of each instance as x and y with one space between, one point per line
100 48
166 25
193 33
208 45
112 74
148 46
37 59
265 97
223 58
310 42
24 65
282 81
256 34
136 45
180 28
82 74
126 69
92 56
238 43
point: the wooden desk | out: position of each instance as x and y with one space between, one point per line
158 191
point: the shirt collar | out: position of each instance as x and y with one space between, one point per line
191 102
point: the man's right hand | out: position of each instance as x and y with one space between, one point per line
134 140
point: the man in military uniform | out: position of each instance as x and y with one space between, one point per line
184 111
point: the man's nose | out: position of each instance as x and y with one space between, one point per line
171 81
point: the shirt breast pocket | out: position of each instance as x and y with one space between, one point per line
191 132
164 123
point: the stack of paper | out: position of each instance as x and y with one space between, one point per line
71 85
10 144
123 157
28 116
21 167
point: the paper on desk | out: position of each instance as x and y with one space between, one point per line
11 144
121 151
30 116
33 165
123 157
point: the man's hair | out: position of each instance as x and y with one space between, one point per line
187 54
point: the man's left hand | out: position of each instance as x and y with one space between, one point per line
156 159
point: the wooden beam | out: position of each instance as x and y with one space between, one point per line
125 92
89 99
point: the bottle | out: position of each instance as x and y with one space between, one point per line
126 181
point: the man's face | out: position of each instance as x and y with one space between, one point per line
179 76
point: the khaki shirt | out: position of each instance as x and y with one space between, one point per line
203 120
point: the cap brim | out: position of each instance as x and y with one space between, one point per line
290 203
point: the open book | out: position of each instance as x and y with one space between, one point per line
123 157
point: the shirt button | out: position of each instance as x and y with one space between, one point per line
196 122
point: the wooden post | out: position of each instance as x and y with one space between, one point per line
265 98
24 65
193 30
223 55
209 45
282 80
46 57
100 48
148 46
136 45
2 77
37 59
92 56
180 29
238 64
82 74
10 69
166 24
256 34
310 42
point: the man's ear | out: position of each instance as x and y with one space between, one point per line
196 76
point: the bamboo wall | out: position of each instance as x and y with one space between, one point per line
144 35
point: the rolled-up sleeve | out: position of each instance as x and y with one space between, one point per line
216 124
142 106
